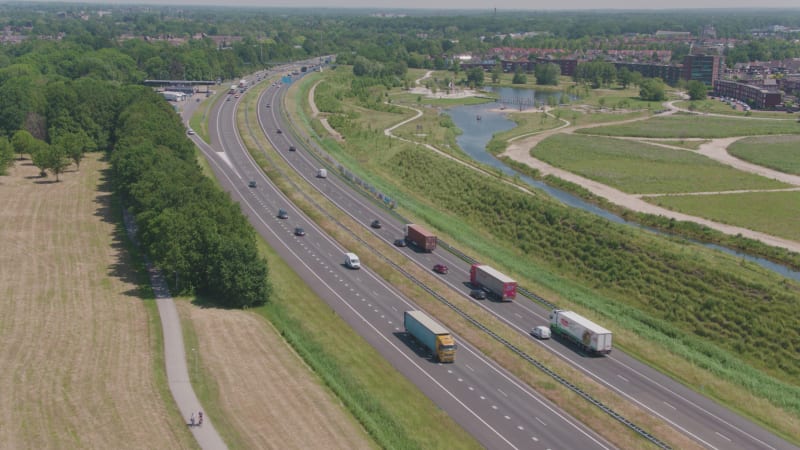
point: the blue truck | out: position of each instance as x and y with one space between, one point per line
430 334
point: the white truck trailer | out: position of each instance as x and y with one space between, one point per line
586 334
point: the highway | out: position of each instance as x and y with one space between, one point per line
499 410
702 419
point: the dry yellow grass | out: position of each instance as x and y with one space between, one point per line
265 391
78 355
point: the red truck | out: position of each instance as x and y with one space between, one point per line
500 285
420 237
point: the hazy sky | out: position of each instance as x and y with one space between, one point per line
481 4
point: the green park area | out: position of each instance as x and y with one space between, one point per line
776 152
681 125
639 168
775 213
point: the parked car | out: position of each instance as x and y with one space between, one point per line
376 224
252 183
541 332
440 268
400 242
190 132
478 294
299 231
282 214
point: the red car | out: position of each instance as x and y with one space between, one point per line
440 268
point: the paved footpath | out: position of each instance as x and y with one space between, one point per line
175 355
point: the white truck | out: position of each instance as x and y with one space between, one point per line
587 335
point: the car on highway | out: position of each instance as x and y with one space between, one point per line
299 231
292 148
282 214
400 242
351 260
478 294
376 224
541 332
228 99
440 268
236 96
267 105
252 183
279 131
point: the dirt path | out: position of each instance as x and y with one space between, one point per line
315 112
78 350
519 150
717 150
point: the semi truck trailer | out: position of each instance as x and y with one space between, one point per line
498 284
587 335
420 237
430 334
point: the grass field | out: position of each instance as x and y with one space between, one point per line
776 152
776 213
639 168
264 391
82 362
682 126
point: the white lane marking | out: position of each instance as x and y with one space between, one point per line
723 436
670 405
507 417
469 367
471 388
501 391
395 309
483 398
518 315
520 427
540 421
535 439
494 407
623 378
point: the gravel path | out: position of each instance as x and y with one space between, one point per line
519 150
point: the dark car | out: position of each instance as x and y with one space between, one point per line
252 183
282 214
376 224
400 242
299 231
279 131
440 268
266 106
292 148
478 294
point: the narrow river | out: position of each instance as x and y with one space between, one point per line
477 124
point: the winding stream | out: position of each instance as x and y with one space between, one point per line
477 124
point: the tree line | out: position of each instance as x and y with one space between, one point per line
64 98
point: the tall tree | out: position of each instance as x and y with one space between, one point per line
23 143
697 90
652 89
6 155
547 74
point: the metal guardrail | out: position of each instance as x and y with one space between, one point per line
539 365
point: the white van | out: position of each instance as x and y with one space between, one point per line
541 332
351 260
322 173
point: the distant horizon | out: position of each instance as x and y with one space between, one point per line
462 5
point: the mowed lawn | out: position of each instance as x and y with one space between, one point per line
776 213
80 354
640 168
781 153
698 126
